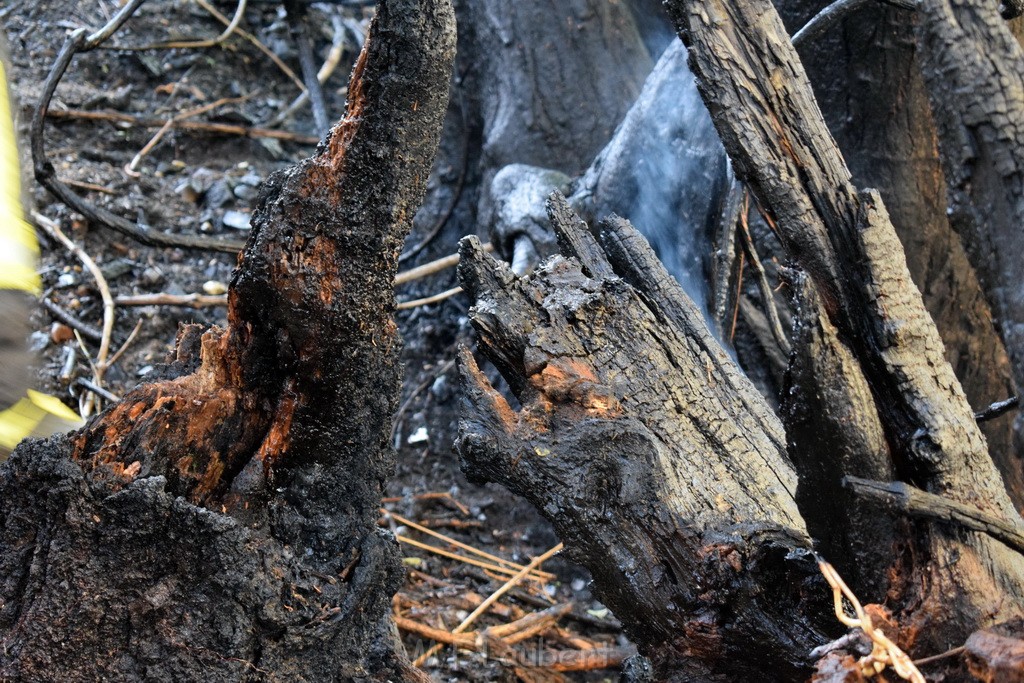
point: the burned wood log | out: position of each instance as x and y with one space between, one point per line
973 67
220 524
759 97
659 464
867 80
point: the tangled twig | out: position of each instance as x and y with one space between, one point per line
884 652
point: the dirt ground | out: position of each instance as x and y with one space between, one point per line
199 183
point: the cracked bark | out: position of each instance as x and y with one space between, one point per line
621 389
220 524
773 130
659 464
973 65
866 74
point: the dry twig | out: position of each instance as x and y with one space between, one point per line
100 363
467 560
416 303
177 118
78 41
458 544
212 42
198 126
494 597
884 652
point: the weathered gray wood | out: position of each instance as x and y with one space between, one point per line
920 503
867 79
661 467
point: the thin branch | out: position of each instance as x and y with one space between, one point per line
834 13
494 597
97 389
212 42
767 294
432 267
328 67
198 126
127 342
918 503
87 330
462 558
295 16
997 409
725 247
187 300
415 303
45 173
158 136
100 366
458 544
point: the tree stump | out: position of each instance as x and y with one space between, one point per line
220 524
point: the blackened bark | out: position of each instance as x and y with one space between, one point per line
543 84
974 69
760 99
867 80
834 430
658 462
220 525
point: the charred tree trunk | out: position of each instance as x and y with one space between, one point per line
220 524
665 471
658 462
973 66
867 79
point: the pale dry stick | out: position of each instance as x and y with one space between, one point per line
505 571
466 641
767 298
189 300
884 652
127 342
435 266
212 42
88 186
198 126
210 300
177 118
416 303
85 401
458 544
430 495
100 366
256 42
493 598
512 633
530 625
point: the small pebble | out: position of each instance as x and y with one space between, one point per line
239 220
214 288
152 276
37 341
60 333
419 436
